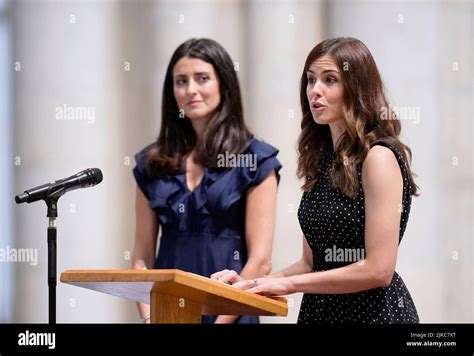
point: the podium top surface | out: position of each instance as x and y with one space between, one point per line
215 297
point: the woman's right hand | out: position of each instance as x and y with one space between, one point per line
226 276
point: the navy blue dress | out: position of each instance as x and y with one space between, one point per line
203 231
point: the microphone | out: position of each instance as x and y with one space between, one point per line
83 179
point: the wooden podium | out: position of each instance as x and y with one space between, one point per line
176 296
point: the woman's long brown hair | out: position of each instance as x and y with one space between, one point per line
364 101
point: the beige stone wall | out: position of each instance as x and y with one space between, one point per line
77 54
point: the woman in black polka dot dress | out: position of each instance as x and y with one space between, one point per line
356 200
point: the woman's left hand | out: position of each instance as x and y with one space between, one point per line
267 286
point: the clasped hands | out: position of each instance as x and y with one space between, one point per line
264 285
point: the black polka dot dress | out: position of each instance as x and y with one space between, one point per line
334 225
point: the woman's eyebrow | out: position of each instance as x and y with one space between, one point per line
330 70
184 75
324 71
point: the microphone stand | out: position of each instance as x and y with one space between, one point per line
52 214
50 193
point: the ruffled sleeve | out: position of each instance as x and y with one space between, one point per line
264 155
142 178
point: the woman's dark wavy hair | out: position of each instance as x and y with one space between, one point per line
226 131
364 102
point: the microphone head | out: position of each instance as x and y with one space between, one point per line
97 175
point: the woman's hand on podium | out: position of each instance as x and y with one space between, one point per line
227 276
264 285
267 286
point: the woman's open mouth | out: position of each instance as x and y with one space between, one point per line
317 107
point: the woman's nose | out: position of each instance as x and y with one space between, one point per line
317 89
192 87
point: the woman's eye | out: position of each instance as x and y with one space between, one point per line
311 81
204 78
331 80
180 82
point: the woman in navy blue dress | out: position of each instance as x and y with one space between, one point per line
207 182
